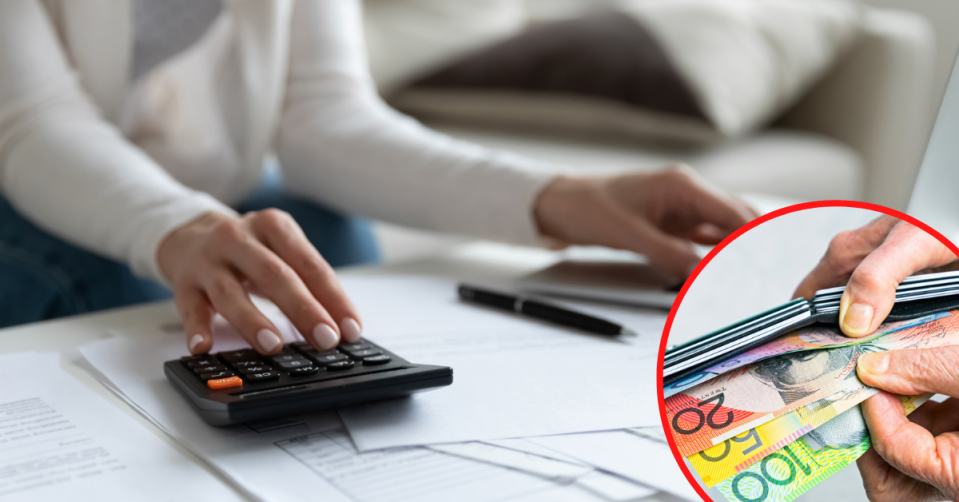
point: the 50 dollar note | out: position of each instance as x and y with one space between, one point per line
806 462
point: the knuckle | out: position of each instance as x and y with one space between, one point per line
841 245
224 287
314 268
870 280
274 219
228 232
270 273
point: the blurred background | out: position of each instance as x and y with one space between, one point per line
843 94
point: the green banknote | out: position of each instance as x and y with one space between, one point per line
807 461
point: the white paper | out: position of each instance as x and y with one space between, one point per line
59 440
630 455
613 488
561 472
303 457
512 376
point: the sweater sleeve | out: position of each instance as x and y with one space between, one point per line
340 144
65 168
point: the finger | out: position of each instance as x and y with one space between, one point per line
672 254
883 483
277 281
906 446
846 250
232 301
710 205
871 291
285 238
913 371
197 315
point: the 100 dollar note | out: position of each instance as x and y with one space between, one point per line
749 397
811 338
807 461
735 454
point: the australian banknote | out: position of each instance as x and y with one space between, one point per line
746 398
716 463
807 461
810 338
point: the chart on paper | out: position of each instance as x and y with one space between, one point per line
408 473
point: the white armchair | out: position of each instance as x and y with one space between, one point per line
858 134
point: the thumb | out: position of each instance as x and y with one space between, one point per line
913 371
871 291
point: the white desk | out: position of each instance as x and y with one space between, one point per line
479 262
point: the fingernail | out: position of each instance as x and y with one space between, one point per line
267 340
350 329
874 364
195 340
857 319
325 337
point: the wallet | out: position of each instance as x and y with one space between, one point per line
917 296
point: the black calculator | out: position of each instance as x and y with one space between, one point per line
242 385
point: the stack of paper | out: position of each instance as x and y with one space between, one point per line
59 438
535 412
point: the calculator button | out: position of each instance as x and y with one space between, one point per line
360 354
187 359
304 371
209 369
286 357
332 358
262 368
216 375
207 361
302 346
376 360
340 365
222 383
246 364
262 377
299 363
317 353
353 347
239 355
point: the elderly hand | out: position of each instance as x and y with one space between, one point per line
658 214
215 261
914 458
871 262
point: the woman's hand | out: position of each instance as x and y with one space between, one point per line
215 262
658 214
914 458
871 262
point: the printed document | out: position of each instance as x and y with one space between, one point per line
59 440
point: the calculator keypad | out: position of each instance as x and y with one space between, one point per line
297 362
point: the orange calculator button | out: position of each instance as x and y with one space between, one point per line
222 383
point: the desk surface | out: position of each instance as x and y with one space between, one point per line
485 263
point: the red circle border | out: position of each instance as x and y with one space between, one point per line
719 247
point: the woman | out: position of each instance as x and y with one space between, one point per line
152 164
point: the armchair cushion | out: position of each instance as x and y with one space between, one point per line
687 70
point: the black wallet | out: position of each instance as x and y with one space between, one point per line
917 296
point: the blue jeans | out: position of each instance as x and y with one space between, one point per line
43 277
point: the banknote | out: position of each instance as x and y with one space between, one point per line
807 461
734 403
735 454
811 338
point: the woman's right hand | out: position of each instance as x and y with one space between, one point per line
215 261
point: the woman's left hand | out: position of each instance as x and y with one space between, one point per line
659 214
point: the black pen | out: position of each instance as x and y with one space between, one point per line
543 311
